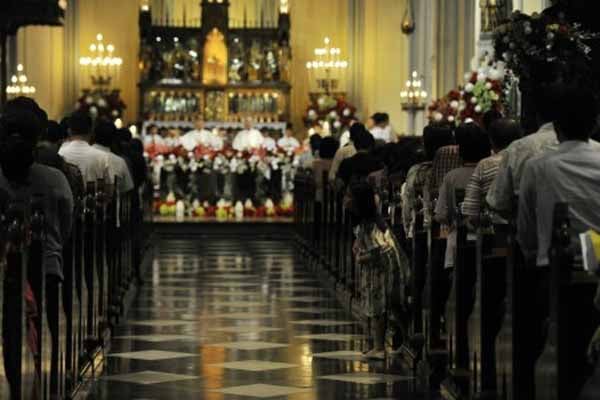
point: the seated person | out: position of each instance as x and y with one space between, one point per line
473 146
568 175
322 163
363 162
501 133
248 138
105 135
382 130
434 138
288 142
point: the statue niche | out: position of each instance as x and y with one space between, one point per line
214 68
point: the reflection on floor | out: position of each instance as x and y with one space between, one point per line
240 319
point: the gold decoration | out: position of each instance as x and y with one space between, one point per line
491 11
408 22
214 69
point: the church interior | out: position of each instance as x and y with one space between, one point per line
299 199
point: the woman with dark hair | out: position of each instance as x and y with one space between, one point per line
383 267
322 163
434 138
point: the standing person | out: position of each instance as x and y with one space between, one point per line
346 151
363 162
314 145
288 142
501 133
92 163
199 136
322 164
473 146
383 267
268 143
152 137
106 138
381 129
248 138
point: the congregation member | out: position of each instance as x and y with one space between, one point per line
435 137
502 133
569 175
105 136
314 145
364 162
288 142
248 138
322 163
346 151
93 163
473 146
381 130
508 180
383 267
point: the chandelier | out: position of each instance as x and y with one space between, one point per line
414 97
102 66
19 86
327 66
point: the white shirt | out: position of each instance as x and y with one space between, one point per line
288 143
92 163
202 137
269 144
118 167
247 139
380 133
345 138
153 139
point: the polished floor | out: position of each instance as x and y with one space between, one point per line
229 319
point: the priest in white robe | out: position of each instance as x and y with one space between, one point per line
247 139
197 137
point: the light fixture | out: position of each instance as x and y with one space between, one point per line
102 66
19 86
327 62
414 97
284 6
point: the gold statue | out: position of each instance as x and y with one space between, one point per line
214 68
491 13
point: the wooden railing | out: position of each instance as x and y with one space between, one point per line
506 330
54 333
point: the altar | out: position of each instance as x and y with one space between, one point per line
224 73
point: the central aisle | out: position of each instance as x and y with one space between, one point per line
239 319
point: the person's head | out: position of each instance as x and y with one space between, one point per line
576 114
503 132
152 129
27 103
403 155
19 132
547 98
364 206
489 117
436 137
80 125
265 132
199 123
163 132
329 146
314 142
364 141
289 130
370 123
137 147
473 143
55 133
105 133
248 123
380 119
355 130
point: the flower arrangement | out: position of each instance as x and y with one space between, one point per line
539 46
331 113
101 104
482 91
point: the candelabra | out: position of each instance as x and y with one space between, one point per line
19 86
413 98
102 67
327 64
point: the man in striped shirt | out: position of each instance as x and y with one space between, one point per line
501 134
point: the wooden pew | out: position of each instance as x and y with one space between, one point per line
432 367
412 348
458 310
490 292
101 258
91 342
562 369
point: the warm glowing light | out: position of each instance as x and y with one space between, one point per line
99 37
20 67
19 84
118 123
